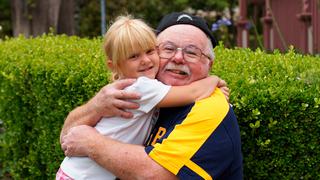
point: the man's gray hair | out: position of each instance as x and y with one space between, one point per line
210 48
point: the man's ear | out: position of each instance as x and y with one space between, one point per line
210 64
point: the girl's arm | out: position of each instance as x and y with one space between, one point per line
182 95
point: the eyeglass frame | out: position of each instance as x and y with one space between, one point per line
182 51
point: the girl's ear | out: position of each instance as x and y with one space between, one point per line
115 75
110 64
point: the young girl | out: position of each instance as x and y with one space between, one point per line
130 46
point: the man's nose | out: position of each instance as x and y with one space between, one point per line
178 57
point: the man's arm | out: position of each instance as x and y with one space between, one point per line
109 101
126 161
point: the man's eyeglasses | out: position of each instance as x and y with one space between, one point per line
190 53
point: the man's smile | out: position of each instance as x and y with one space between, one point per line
177 72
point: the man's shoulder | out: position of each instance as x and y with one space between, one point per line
215 103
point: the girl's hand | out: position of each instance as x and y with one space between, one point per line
224 88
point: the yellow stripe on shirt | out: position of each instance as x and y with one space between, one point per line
187 138
201 172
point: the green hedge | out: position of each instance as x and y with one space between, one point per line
276 99
41 80
275 96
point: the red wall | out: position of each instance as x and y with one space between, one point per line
316 23
290 23
285 14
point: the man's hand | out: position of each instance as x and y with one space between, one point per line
79 140
111 100
126 161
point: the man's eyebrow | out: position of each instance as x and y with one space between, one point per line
168 42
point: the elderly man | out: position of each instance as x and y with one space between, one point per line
197 141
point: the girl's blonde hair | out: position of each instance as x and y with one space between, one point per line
127 36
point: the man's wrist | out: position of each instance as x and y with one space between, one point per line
94 111
93 145
92 106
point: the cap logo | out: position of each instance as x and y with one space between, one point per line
184 16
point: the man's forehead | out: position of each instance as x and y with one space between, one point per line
182 33
183 28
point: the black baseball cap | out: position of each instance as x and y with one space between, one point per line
185 18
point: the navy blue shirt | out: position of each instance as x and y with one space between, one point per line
198 141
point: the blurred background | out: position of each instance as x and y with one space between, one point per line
264 24
83 17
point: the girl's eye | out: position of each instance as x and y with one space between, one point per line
134 56
151 51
